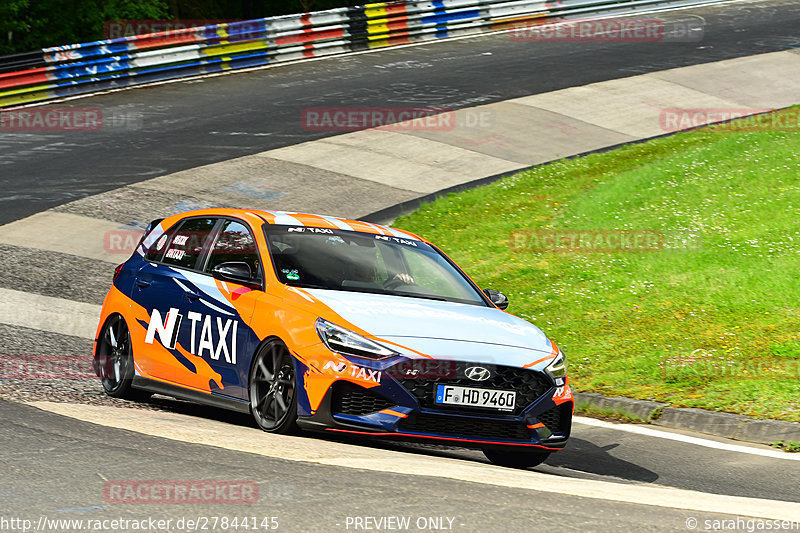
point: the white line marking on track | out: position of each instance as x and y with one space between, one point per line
46 313
650 432
199 430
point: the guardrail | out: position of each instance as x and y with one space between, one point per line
88 67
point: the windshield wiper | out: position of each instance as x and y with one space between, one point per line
415 295
385 293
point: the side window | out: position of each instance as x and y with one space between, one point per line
157 248
235 243
185 245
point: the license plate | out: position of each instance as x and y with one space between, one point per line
503 400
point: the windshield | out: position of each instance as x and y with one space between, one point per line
324 258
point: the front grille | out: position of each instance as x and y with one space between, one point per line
553 419
350 399
420 378
464 427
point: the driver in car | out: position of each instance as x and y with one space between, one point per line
366 271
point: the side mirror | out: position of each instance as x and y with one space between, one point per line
498 298
235 271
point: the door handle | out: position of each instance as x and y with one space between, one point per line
192 295
143 283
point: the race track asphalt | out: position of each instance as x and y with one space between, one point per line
187 124
57 466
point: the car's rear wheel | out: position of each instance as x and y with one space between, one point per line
115 360
515 458
273 389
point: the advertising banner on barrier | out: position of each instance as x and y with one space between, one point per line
146 51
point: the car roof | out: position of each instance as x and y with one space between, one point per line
289 218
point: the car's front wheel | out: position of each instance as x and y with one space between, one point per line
273 389
515 458
115 360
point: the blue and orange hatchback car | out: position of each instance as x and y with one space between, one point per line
321 323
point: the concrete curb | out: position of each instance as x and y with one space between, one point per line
642 410
387 215
728 425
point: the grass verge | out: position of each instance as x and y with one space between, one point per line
585 409
789 446
709 320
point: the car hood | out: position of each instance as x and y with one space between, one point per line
437 328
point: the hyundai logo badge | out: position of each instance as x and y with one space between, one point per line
477 373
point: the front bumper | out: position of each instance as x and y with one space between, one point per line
402 407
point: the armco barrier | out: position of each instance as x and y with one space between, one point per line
87 67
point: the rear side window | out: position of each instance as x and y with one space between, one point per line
185 246
156 250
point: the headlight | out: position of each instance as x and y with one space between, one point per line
557 369
346 342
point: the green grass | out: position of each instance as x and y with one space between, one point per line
789 445
712 320
583 408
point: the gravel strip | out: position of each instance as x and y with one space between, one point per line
54 274
29 359
134 206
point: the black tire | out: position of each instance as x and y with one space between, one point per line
515 458
115 360
273 389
